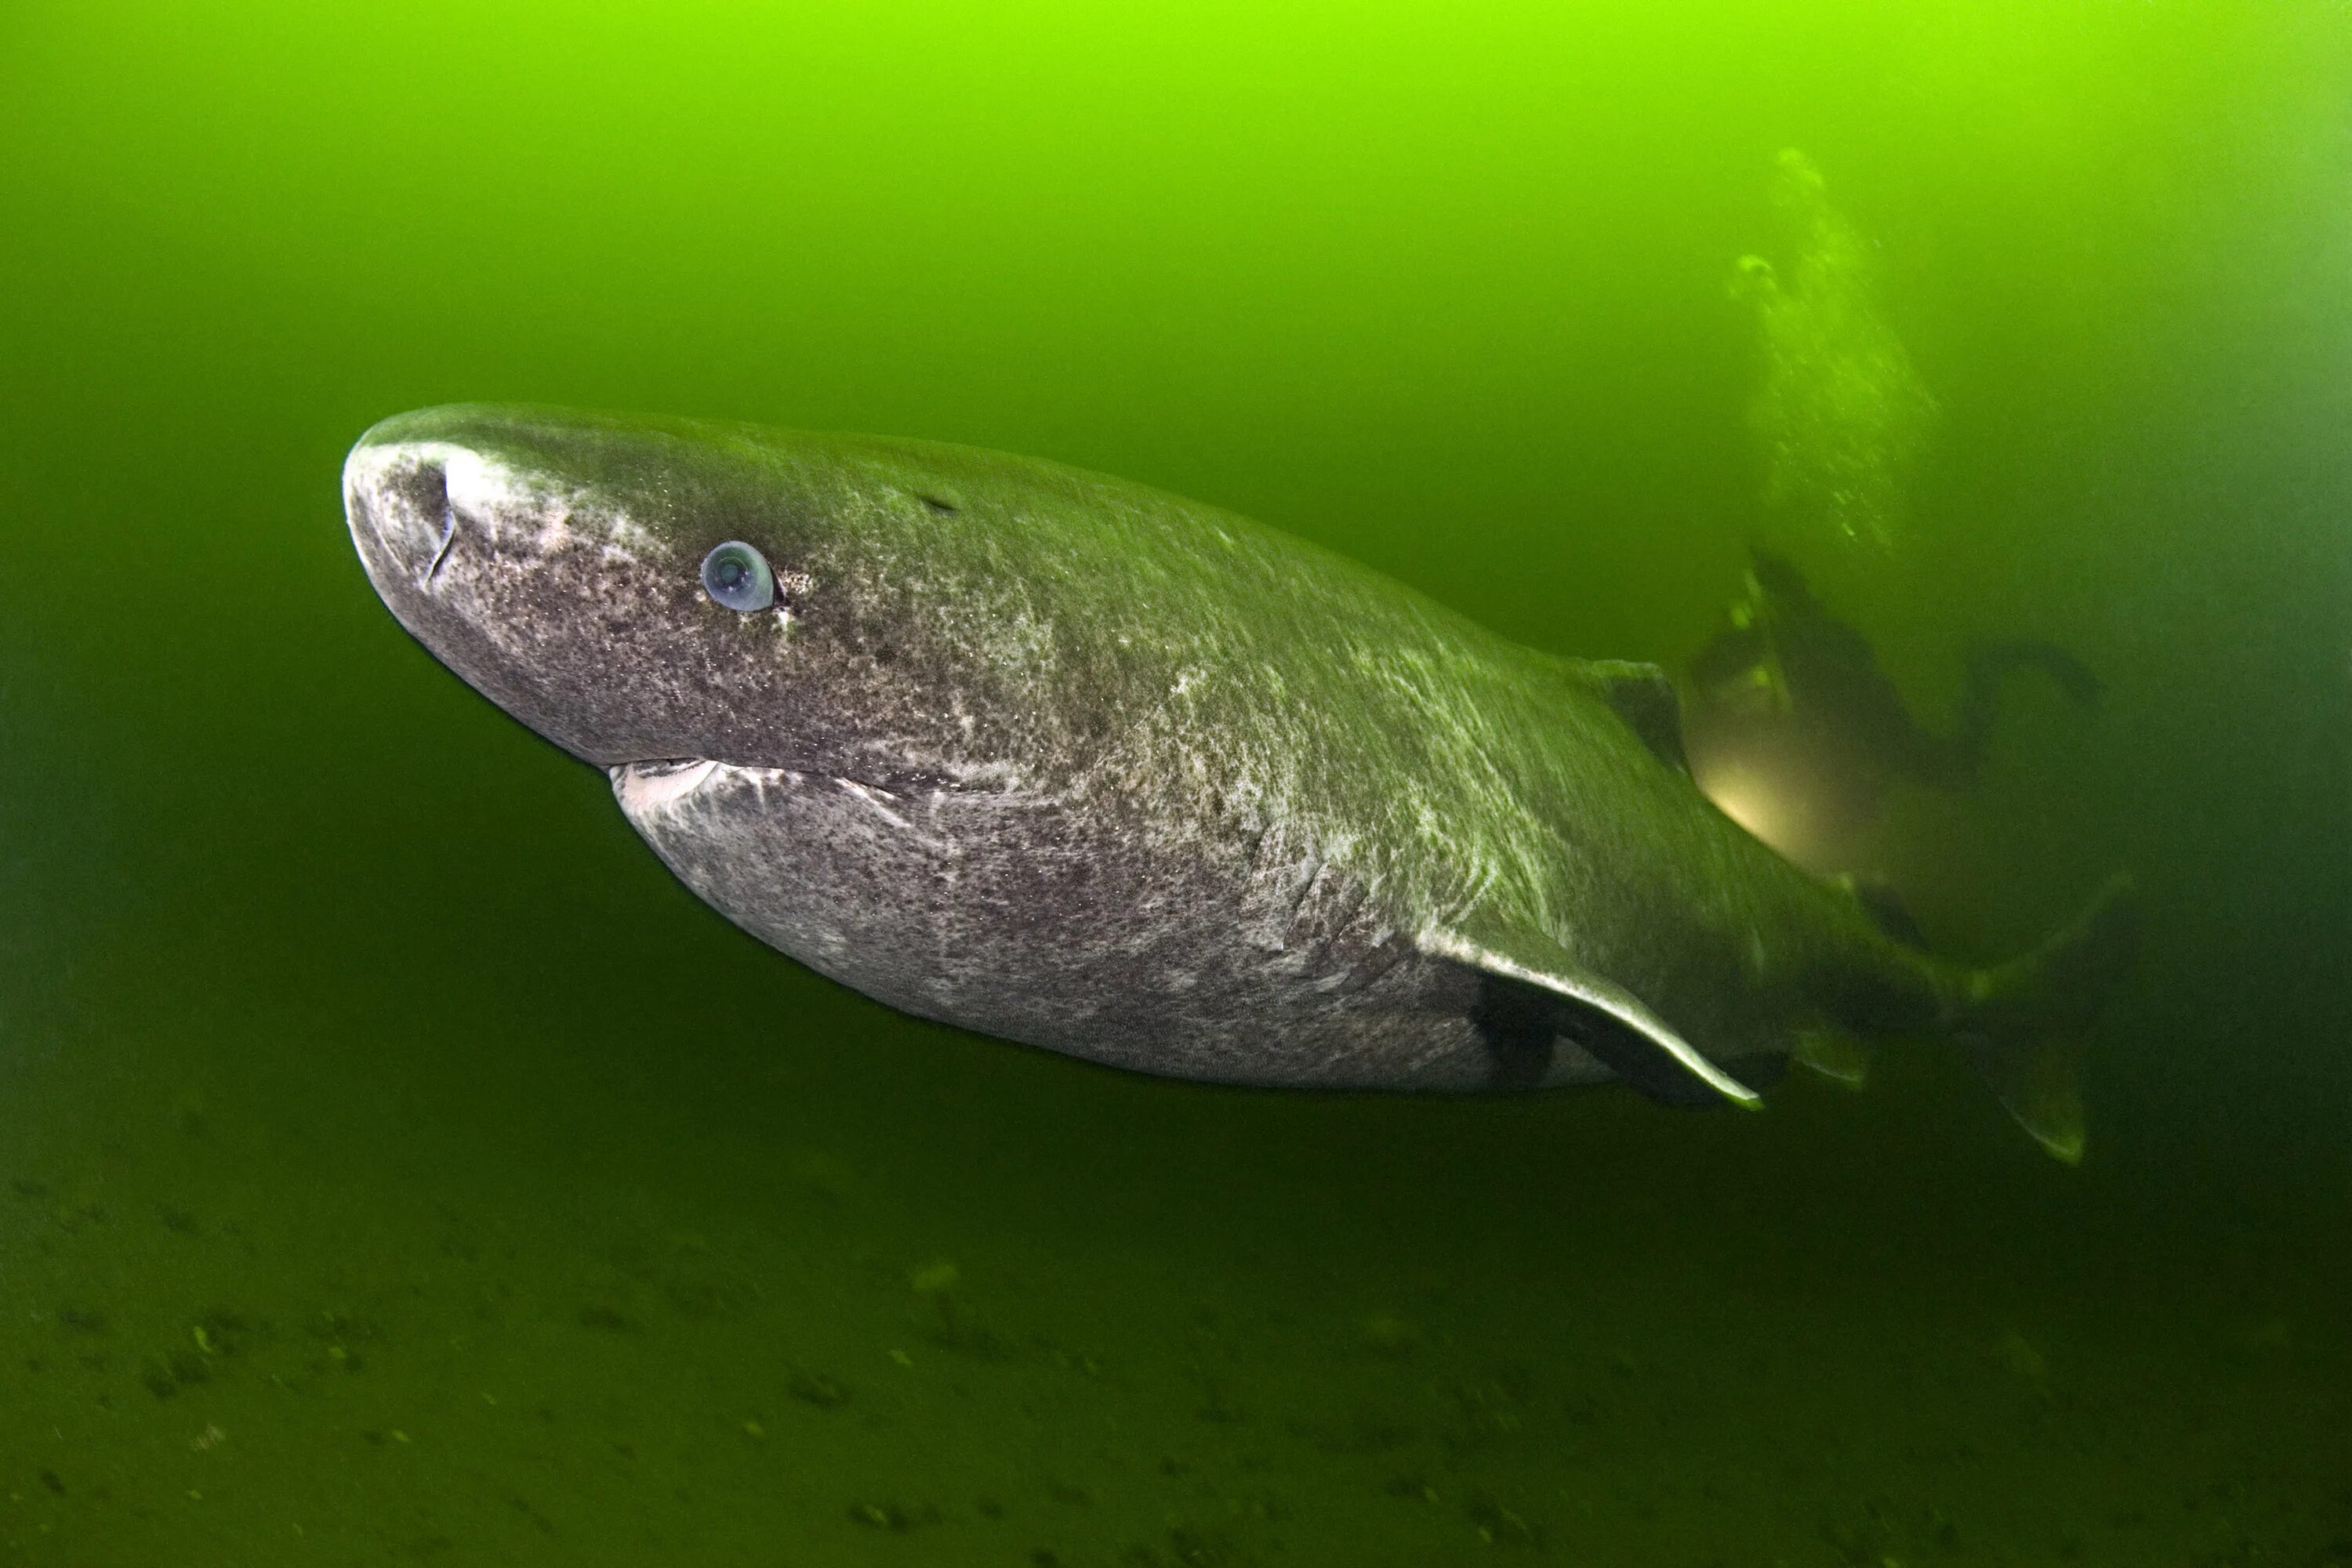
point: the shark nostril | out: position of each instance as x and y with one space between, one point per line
414 516
441 549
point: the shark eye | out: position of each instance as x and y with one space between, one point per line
737 576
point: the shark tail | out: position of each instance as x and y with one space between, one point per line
2021 1023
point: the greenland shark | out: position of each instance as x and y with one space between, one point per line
1073 762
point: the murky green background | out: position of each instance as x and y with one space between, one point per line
396 1166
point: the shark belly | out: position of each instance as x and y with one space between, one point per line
1248 960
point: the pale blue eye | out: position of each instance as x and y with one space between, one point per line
737 576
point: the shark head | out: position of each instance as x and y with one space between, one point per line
654 592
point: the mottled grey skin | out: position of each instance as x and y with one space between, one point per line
1071 761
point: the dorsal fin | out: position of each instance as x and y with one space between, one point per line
1655 1059
1644 696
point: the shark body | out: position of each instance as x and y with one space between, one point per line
1067 759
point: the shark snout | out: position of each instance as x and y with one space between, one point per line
553 563
421 499
408 503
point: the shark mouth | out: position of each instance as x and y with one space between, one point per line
665 784
657 786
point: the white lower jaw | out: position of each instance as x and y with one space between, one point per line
645 787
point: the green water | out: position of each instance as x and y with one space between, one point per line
395 1165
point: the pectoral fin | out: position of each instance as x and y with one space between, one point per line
1612 1023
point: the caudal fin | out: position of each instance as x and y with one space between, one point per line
2024 1021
